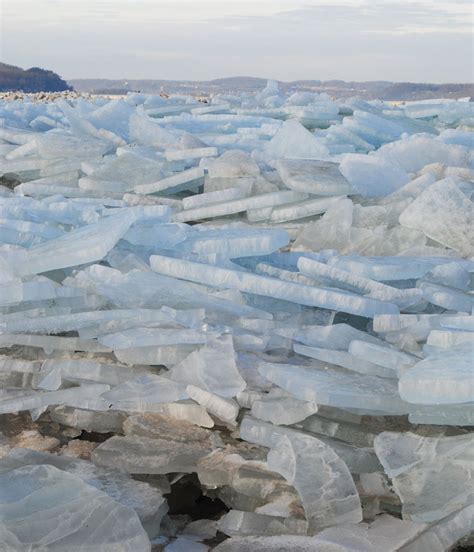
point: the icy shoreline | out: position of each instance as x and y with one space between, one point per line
239 325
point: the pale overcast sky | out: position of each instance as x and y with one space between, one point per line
399 40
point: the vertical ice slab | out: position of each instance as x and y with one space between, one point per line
323 481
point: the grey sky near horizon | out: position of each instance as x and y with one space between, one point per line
397 40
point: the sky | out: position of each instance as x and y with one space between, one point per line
397 40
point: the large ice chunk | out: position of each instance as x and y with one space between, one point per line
45 508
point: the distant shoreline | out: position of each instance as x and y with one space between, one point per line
384 90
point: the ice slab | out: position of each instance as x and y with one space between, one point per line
270 287
313 177
372 176
334 387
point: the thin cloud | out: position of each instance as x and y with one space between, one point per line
418 40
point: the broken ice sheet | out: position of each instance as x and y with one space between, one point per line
432 475
323 481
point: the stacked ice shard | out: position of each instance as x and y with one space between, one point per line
250 320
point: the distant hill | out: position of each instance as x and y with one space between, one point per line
31 80
384 90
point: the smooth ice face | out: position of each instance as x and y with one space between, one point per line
42 506
84 245
371 176
445 214
334 387
432 475
293 140
441 379
313 177
323 481
212 368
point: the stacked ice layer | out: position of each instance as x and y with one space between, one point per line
269 296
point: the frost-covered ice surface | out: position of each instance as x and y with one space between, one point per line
240 325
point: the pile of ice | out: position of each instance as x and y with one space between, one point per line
263 303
